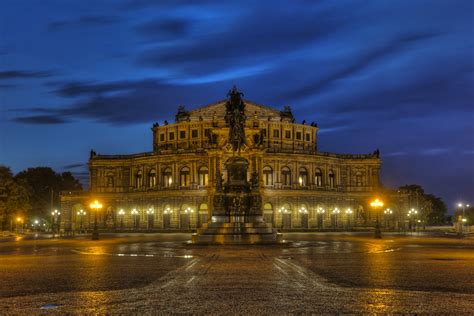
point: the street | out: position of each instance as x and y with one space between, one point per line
320 273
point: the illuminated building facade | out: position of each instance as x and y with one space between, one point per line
172 187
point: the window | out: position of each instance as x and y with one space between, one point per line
167 177
358 178
276 133
332 178
182 134
171 136
303 177
308 137
203 176
184 177
207 132
152 178
286 176
162 137
287 134
318 179
298 135
110 180
194 133
139 179
267 175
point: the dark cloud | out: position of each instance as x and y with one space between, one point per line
358 63
165 28
88 21
124 102
74 166
41 119
254 37
21 74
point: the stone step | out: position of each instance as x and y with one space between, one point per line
237 239
236 231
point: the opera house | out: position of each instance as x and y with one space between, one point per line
172 187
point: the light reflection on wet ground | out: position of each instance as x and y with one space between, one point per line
312 273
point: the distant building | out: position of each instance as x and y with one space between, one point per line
172 186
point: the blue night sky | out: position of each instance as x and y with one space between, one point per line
394 75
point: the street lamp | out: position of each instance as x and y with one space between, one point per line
387 214
121 213
150 213
348 215
55 216
376 204
320 212
135 218
412 214
463 219
282 211
81 213
19 221
336 212
96 207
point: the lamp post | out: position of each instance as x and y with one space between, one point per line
320 211
348 215
150 213
81 214
463 219
96 206
412 214
387 214
335 212
282 211
19 221
376 204
303 211
135 218
121 213
55 216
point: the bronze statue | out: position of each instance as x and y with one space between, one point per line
235 118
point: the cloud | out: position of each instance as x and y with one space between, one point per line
21 74
124 102
165 28
74 166
41 119
85 21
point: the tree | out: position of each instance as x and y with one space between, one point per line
13 198
431 209
44 186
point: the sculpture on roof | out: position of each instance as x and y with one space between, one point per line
235 118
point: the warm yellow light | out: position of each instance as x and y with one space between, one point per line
376 203
18 219
96 205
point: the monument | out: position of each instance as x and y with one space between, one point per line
237 205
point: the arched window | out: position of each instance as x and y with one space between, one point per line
167 177
139 179
184 177
318 178
110 179
285 176
303 177
152 178
203 176
332 179
358 179
267 175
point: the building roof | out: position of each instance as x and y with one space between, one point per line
217 111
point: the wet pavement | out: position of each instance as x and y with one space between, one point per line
320 273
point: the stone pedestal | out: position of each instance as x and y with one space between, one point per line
237 216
